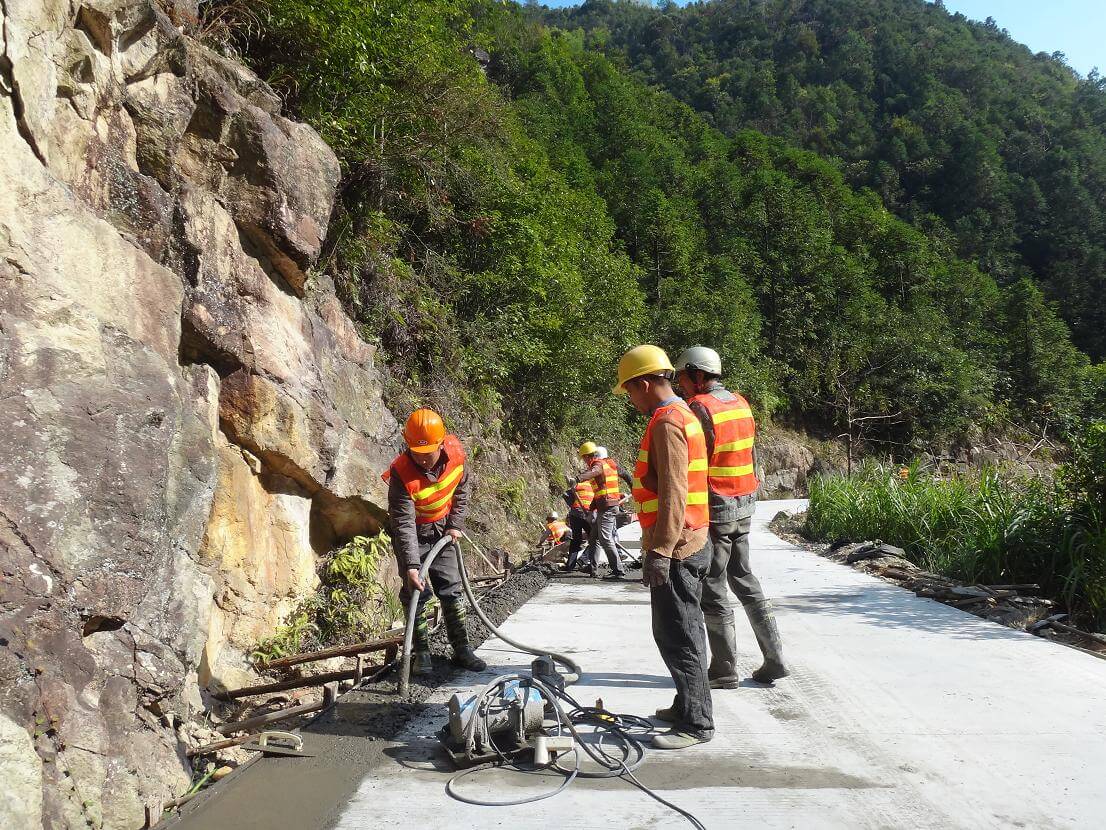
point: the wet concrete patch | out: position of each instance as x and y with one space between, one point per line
348 741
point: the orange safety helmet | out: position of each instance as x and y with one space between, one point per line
424 431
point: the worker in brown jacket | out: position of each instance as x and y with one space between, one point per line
670 487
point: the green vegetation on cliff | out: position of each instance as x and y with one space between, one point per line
505 231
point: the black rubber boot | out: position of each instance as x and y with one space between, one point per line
463 655
722 672
420 663
768 638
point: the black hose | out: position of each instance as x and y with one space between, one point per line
412 607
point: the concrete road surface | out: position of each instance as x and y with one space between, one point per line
901 713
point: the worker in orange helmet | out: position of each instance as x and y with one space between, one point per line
428 495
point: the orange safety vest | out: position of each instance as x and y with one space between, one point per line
697 513
606 486
731 471
557 531
585 494
433 499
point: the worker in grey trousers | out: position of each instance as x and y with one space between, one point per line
729 430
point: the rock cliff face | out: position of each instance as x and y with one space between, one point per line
188 416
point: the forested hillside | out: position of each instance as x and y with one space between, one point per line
517 209
958 128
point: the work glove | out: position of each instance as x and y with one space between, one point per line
655 570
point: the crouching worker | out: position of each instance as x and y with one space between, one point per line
670 487
428 493
555 532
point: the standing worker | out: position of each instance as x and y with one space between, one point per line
428 495
730 432
670 487
603 474
579 498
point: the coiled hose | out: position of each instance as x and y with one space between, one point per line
573 667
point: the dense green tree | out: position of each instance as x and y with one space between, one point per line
949 121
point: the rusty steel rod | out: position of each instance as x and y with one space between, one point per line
330 694
392 640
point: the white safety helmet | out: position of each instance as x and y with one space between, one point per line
552 517
601 452
700 357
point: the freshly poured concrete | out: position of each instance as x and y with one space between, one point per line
901 712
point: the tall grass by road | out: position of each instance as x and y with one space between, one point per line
984 527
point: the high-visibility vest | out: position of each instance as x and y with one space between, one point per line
585 494
731 471
557 531
433 499
697 514
607 484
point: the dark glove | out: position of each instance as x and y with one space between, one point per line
655 570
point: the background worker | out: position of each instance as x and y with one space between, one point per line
670 487
428 494
603 473
578 498
730 433
620 514
555 532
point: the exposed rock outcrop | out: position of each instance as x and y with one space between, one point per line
189 416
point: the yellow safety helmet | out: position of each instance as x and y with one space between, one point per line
588 448
641 360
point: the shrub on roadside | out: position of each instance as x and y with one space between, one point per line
984 527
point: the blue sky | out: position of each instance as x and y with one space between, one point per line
1075 27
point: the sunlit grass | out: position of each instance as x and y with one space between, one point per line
977 527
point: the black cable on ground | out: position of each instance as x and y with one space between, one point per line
622 765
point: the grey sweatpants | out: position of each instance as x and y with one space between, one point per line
606 529
678 632
730 568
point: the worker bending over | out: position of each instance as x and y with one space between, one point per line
428 495
555 532
730 432
670 487
603 473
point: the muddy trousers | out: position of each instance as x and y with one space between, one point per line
730 568
444 580
678 632
606 531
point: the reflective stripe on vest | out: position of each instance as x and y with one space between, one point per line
433 499
731 472
607 484
696 514
557 531
585 494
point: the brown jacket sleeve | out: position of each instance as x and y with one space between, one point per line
594 471
460 509
668 458
401 509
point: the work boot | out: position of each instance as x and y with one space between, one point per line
722 672
668 713
420 663
453 610
768 638
466 658
677 739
